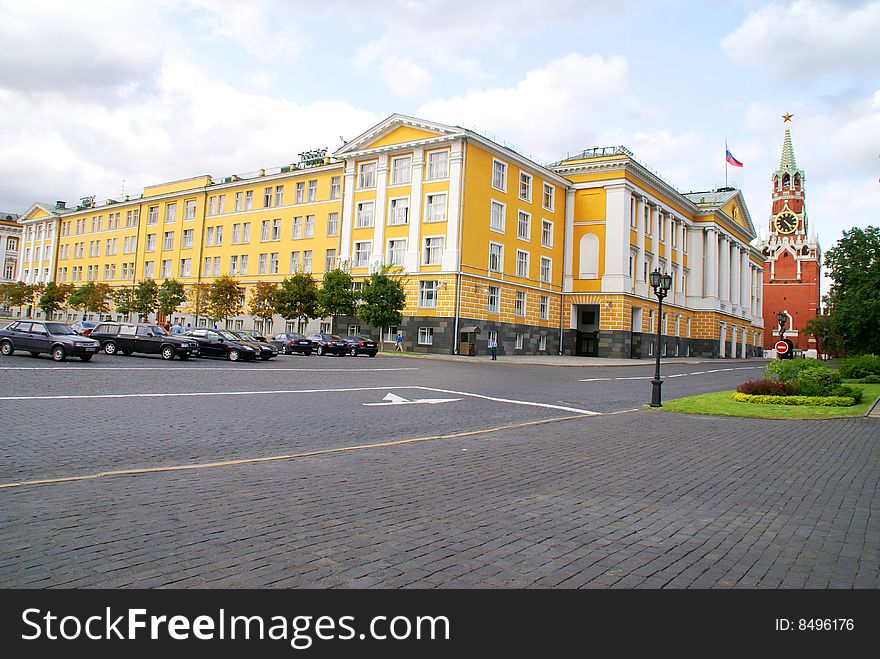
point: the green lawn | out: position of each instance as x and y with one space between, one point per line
721 404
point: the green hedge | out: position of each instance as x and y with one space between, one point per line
855 368
813 401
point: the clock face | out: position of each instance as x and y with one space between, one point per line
786 222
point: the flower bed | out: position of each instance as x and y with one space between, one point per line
816 401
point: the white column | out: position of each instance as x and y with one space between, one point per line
745 291
378 255
641 285
347 215
735 276
724 270
710 264
451 253
413 248
616 278
696 264
568 246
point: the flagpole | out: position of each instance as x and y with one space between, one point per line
725 162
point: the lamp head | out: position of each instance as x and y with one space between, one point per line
655 278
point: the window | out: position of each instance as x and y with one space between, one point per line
433 251
367 175
218 236
544 308
400 170
276 230
662 222
307 260
546 269
248 200
132 218
672 230
300 194
396 251
364 216
435 207
239 201
185 267
496 217
398 212
334 187
267 197
496 257
549 194
169 240
519 305
525 186
362 251
426 336
243 264
233 265
236 234
246 232
187 238
546 233
329 260
189 209
438 164
649 222
170 214
493 298
523 225
279 195
499 175
113 221
332 224
166 268
261 264
264 230
542 343
428 294
633 218
312 191
273 263
216 269
212 206
297 227
522 263
518 341
294 261
309 231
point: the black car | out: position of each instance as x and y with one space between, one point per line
220 343
129 338
37 336
264 351
288 343
329 344
361 345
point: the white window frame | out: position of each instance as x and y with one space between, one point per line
401 251
433 171
525 178
333 223
499 257
401 170
395 206
493 204
433 250
503 170
522 264
544 307
367 174
431 206
519 339
362 219
361 258
426 336
519 304
545 232
551 189
549 269
428 295
493 293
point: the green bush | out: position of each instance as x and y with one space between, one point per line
786 370
816 381
870 379
812 401
843 390
855 368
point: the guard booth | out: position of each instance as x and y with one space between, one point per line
467 344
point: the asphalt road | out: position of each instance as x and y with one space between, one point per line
392 472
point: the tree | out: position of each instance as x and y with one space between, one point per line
262 304
297 297
19 294
53 297
146 298
198 297
225 298
383 299
90 297
124 299
854 299
336 296
171 295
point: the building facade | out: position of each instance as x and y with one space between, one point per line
793 271
10 241
545 259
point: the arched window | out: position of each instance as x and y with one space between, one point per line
786 180
589 257
797 182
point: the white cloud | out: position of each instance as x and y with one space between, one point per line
404 77
799 40
553 109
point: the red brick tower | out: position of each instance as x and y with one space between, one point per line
793 269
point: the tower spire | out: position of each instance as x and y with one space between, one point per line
787 161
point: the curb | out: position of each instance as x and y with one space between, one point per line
635 362
874 410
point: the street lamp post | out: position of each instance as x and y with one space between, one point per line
782 319
661 283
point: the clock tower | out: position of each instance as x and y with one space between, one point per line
793 269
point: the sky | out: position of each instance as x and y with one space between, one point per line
105 97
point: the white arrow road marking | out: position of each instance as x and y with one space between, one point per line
394 399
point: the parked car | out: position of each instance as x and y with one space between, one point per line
288 343
329 344
361 345
264 351
57 339
146 338
83 327
220 343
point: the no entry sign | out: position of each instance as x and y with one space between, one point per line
781 347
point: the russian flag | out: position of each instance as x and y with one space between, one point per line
733 161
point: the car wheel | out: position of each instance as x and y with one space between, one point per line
354 352
86 358
233 355
320 351
168 352
284 350
110 348
59 354
6 348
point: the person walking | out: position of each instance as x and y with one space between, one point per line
399 343
176 328
493 346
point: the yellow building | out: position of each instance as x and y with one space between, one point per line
545 259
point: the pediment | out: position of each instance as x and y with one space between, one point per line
397 129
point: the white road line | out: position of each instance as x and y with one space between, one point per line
676 375
193 394
201 368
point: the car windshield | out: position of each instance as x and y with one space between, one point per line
228 335
247 336
59 328
158 331
296 336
